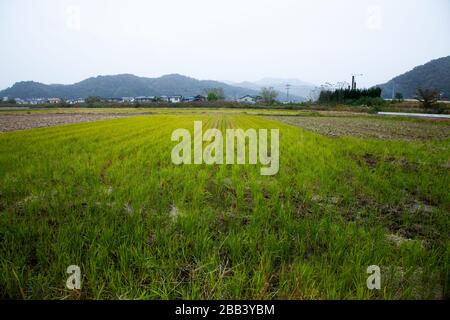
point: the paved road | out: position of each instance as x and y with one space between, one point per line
423 115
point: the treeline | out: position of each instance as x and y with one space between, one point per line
348 95
8 102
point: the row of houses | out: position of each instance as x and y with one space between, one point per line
142 99
38 101
171 99
176 99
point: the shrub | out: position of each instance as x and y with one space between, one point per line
427 97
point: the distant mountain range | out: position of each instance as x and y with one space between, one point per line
432 75
299 90
128 85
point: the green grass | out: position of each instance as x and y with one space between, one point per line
100 195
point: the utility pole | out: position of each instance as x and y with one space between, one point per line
393 90
288 87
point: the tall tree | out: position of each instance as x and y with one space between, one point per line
269 95
214 94
399 96
427 97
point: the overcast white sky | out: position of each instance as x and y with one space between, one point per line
60 41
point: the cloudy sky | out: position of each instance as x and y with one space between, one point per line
59 41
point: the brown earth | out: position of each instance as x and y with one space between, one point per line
14 122
371 127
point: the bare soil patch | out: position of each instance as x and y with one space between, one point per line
14 122
372 127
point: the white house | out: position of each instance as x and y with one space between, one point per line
248 99
54 100
75 101
144 99
175 99
20 101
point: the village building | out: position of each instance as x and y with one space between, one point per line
54 100
250 99
175 99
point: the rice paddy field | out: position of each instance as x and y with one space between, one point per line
106 196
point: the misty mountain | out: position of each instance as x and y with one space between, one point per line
299 90
124 85
432 75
